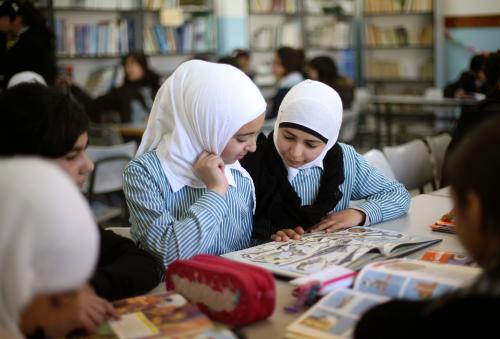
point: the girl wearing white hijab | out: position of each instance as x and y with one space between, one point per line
186 191
305 179
48 250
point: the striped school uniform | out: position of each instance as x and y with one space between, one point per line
179 225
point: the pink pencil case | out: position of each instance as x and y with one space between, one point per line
229 292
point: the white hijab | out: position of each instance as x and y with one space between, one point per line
48 238
26 76
316 106
199 107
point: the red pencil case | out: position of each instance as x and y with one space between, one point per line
229 292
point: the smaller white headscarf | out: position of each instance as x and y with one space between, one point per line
316 106
48 238
199 107
26 76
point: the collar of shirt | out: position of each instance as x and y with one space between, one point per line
292 172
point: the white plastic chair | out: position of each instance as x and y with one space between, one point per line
411 163
109 162
378 160
438 146
107 177
350 117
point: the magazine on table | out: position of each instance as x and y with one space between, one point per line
163 315
336 314
352 248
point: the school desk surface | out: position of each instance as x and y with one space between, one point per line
425 209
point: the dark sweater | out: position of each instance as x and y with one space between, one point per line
465 317
123 269
34 51
470 117
118 99
466 313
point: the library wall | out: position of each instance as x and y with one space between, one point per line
232 25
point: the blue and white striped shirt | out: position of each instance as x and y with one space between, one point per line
385 198
178 225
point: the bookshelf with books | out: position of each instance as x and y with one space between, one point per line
330 29
93 34
317 27
398 45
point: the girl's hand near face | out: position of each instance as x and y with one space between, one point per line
288 234
340 220
210 169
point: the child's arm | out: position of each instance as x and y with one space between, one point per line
157 230
385 198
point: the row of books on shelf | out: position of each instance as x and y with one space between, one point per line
130 4
388 69
286 6
271 37
173 4
335 7
109 38
97 4
99 39
330 35
194 36
398 36
395 6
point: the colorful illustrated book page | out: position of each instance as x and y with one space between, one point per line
352 248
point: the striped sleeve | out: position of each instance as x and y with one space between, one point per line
385 198
155 227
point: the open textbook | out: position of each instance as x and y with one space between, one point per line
164 315
352 248
335 315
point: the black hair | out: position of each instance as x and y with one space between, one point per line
291 59
326 67
238 53
474 167
150 78
30 15
492 69
37 120
477 62
229 60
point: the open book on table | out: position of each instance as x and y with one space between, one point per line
352 248
336 314
164 315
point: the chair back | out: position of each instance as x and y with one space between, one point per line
438 146
109 162
350 117
411 163
378 160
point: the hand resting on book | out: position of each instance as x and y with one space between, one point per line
330 223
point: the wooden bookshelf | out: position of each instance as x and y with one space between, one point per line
318 31
100 31
398 42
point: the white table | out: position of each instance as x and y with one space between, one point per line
443 192
425 209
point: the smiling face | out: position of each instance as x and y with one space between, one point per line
243 141
76 163
297 147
